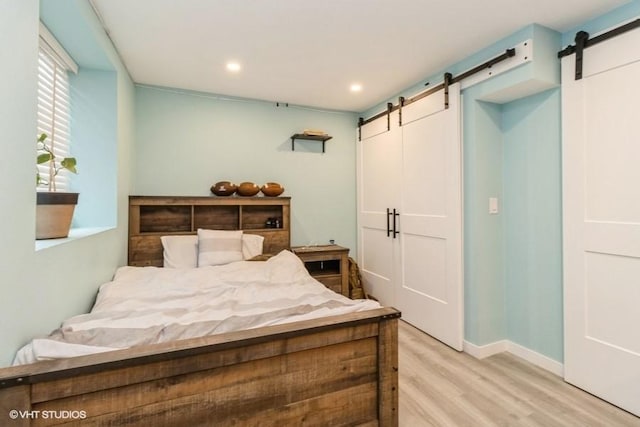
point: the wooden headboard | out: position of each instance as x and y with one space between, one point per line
151 217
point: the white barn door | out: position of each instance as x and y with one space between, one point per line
601 225
379 187
413 260
430 273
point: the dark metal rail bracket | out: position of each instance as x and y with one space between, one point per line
583 41
448 80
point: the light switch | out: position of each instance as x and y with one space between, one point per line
493 205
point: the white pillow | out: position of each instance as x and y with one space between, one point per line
217 247
251 245
180 251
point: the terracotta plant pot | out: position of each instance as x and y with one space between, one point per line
272 189
54 212
223 188
248 189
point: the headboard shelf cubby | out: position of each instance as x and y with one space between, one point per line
153 216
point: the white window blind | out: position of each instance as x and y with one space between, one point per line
53 106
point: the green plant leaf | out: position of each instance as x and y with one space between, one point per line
42 137
40 180
69 163
44 158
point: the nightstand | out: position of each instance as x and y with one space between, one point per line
328 264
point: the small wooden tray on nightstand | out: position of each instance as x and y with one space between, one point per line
328 264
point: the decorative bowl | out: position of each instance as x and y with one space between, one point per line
248 189
223 188
272 189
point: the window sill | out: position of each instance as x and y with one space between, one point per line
74 234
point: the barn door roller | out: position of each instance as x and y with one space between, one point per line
447 81
583 41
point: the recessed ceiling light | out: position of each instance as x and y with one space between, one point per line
234 67
355 87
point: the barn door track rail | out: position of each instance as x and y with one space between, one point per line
583 41
448 80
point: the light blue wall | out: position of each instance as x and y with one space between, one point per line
187 141
94 133
40 288
18 61
483 233
513 273
532 222
513 260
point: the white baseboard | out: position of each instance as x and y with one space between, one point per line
537 359
482 351
540 360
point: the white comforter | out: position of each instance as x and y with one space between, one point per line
147 305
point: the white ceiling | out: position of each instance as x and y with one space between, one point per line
309 52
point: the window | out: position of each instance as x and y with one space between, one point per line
54 65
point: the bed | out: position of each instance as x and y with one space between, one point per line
335 370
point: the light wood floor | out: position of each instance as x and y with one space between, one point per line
441 387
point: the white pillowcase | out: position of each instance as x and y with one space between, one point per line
180 251
217 247
251 245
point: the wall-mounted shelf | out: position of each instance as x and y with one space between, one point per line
319 138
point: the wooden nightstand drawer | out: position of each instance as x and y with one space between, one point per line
333 282
328 264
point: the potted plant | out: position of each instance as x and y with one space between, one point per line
54 210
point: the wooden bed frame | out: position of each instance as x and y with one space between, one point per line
339 370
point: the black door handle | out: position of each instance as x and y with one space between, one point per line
388 224
395 215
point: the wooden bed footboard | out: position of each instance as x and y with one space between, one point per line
340 370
